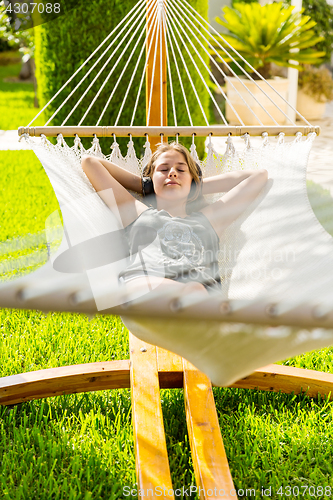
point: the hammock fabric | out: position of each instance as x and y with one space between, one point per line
276 254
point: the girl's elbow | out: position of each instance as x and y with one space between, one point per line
263 172
263 175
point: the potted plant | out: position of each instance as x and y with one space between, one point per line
264 35
315 88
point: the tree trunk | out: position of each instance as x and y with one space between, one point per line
26 70
33 67
266 71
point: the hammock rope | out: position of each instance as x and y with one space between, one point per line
197 69
202 47
114 66
170 34
120 77
188 73
246 62
170 80
153 77
161 20
131 80
133 12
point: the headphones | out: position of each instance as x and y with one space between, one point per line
148 186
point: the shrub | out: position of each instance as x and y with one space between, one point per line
9 57
321 12
267 34
63 44
11 39
317 83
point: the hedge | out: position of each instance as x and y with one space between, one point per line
321 12
63 44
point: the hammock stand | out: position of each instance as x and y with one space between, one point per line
151 368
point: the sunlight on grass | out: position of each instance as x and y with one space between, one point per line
16 100
26 195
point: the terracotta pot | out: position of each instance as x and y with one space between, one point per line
309 107
235 87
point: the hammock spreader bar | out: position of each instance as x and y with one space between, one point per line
181 131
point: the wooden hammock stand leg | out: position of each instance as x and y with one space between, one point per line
208 454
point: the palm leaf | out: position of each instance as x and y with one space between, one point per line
269 33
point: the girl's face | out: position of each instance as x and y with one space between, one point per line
171 178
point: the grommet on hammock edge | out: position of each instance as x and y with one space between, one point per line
299 136
78 146
60 140
193 150
246 138
264 135
281 138
230 146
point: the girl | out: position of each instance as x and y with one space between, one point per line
184 228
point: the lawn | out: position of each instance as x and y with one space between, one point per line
81 446
16 100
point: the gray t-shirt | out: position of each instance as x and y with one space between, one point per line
181 249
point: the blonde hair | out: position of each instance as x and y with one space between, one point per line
195 200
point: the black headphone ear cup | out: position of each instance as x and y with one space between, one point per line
147 186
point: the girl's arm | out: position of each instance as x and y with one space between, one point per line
125 178
224 182
224 211
113 190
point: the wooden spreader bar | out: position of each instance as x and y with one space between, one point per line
116 375
169 131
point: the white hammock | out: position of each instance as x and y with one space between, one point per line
274 260
277 244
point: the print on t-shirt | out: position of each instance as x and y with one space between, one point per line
178 240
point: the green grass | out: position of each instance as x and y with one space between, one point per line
81 446
27 200
16 100
26 195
